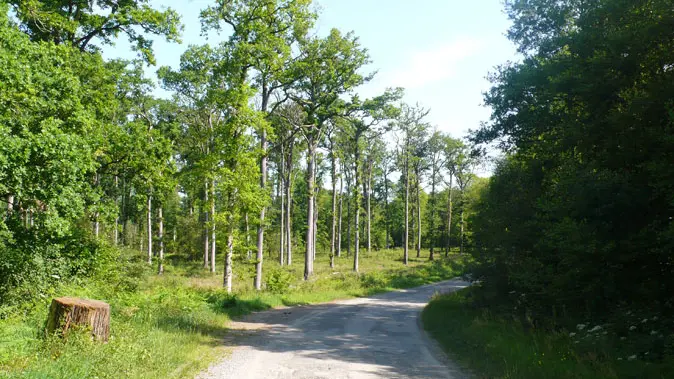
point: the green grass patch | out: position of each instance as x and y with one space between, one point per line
172 326
497 346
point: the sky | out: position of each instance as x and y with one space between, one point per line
440 51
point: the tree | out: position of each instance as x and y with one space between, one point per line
408 123
82 23
326 69
363 118
264 32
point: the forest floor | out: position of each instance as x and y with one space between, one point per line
498 346
172 326
368 337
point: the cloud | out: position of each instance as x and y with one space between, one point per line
431 65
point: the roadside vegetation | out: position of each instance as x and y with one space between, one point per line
173 326
497 345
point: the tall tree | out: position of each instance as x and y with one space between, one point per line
326 69
263 33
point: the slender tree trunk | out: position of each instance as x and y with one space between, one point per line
334 210
339 223
357 210
260 228
418 216
10 204
227 279
462 226
431 234
313 242
407 210
281 193
213 239
149 229
117 211
205 228
449 216
249 255
349 216
311 177
160 216
369 213
386 210
289 232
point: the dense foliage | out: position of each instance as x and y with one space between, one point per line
261 131
577 218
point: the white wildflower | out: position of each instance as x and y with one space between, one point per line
580 326
572 334
653 332
644 321
620 359
631 357
633 328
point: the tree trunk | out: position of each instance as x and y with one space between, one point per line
339 223
227 279
461 248
407 210
116 230
289 232
213 239
281 193
205 217
431 234
160 216
249 255
10 204
66 312
334 210
313 241
418 216
386 211
369 213
149 229
358 208
311 173
260 228
449 216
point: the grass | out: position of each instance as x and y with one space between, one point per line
172 326
497 346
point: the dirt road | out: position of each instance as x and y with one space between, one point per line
374 337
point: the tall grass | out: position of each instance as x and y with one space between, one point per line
172 326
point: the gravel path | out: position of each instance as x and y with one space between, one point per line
374 337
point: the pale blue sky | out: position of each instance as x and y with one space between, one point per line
439 50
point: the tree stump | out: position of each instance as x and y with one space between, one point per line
66 312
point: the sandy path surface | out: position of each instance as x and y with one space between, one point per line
373 337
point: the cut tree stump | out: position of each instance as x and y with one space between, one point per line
66 312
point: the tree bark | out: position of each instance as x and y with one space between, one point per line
205 228
227 279
213 239
358 208
431 233
249 254
116 230
461 248
418 215
66 312
339 223
281 193
160 216
407 208
369 213
149 229
311 173
386 210
334 209
449 216
260 228
10 204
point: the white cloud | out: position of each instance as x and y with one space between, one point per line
431 65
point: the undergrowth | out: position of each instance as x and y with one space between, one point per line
172 326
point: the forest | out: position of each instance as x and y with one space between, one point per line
264 173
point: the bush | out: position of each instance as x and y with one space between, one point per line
278 281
